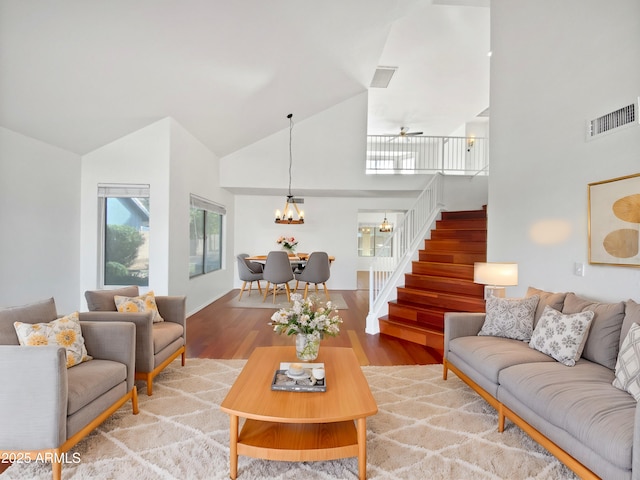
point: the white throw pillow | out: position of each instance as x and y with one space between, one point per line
628 364
562 336
510 317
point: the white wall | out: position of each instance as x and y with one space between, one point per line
556 65
40 221
329 151
141 157
194 169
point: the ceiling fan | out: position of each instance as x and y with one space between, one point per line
404 133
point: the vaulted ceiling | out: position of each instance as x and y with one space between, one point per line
81 73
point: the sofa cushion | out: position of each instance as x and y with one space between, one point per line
43 311
64 332
489 355
561 336
102 300
631 316
603 342
510 317
628 364
90 380
580 400
554 300
143 303
164 334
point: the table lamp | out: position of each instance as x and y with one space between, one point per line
495 276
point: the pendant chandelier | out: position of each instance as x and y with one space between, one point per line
385 226
291 203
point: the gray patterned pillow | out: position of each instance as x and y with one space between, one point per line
562 336
628 364
510 317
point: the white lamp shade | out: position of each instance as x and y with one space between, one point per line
499 274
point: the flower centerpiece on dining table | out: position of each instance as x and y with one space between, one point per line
288 243
310 320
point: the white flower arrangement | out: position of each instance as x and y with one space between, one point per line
310 317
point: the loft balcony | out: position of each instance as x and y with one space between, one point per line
410 155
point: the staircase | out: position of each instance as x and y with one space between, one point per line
440 281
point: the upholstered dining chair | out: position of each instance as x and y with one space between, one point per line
277 271
248 272
316 271
157 343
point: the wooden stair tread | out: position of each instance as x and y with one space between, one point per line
420 335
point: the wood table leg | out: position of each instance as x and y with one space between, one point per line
233 447
362 448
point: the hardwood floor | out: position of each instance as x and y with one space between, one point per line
218 331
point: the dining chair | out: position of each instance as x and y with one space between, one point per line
248 272
316 271
277 271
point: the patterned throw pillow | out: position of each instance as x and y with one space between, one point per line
562 336
510 317
628 364
64 332
143 303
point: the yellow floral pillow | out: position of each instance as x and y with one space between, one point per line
142 303
64 332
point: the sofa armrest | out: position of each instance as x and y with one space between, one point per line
172 308
635 451
33 397
461 324
114 341
144 333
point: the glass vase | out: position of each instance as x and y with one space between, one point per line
307 347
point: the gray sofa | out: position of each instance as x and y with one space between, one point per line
47 408
574 412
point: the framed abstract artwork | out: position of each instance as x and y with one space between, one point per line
614 221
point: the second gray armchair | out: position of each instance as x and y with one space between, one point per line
157 344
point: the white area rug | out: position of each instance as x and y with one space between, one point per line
255 300
426 428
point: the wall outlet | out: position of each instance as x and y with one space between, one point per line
578 269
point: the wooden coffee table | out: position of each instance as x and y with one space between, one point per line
300 426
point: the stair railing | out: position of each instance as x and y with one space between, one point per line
385 272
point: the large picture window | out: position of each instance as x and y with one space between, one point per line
372 242
124 231
205 236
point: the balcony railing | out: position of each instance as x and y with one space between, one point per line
423 154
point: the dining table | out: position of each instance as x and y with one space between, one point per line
297 260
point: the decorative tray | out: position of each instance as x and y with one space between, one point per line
305 382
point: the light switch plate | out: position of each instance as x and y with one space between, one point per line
578 269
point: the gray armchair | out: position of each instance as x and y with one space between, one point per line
47 408
157 344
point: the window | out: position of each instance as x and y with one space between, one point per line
372 242
124 233
205 236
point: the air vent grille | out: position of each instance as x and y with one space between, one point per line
627 115
382 77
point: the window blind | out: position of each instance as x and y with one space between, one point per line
112 190
204 204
